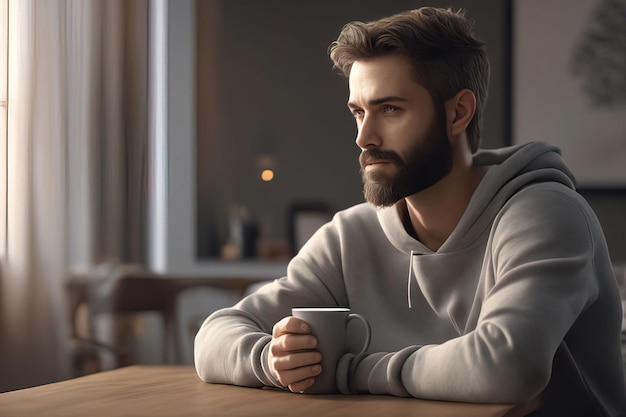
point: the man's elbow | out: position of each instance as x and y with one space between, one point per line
201 357
517 383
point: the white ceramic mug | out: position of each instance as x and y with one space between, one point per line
328 325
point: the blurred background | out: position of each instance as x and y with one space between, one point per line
161 159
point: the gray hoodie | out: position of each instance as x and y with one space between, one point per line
519 300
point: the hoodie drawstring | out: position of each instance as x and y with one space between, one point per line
408 292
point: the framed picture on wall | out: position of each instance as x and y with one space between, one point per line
569 86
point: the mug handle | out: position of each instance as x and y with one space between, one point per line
368 332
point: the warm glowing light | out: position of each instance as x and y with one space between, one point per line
267 175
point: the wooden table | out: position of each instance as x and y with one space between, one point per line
176 391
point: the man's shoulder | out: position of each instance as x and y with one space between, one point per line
357 212
552 204
363 217
545 195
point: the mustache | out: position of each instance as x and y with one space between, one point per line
370 156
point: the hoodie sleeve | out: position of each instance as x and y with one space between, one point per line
540 263
231 347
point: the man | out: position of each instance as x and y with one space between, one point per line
511 294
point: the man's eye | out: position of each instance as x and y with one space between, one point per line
357 113
389 109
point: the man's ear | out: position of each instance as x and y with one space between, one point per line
460 111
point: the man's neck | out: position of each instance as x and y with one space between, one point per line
435 212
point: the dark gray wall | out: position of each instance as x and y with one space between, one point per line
266 85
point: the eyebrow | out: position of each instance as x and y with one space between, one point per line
380 100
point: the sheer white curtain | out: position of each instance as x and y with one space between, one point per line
75 167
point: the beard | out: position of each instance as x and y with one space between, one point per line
426 164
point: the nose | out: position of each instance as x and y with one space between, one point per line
367 133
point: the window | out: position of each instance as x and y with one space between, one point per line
4 51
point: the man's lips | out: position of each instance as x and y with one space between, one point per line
372 158
377 162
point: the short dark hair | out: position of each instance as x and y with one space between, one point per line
441 44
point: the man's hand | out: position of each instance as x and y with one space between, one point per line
292 358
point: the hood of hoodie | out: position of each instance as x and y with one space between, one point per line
509 169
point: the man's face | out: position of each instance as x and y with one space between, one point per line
404 143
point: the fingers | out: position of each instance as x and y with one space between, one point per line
294 367
289 343
299 379
291 325
292 357
291 335
306 383
296 360
302 386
